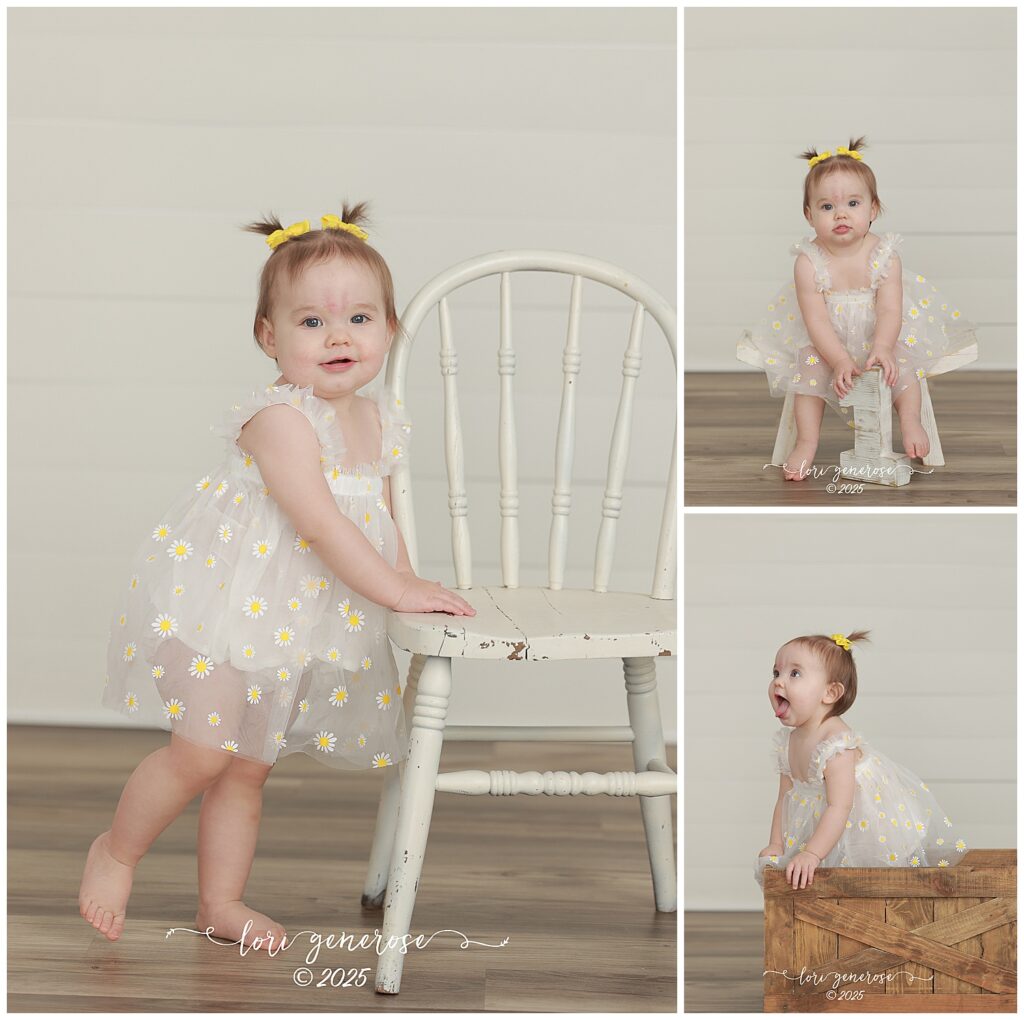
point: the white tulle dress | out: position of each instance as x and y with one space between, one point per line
895 821
934 336
233 634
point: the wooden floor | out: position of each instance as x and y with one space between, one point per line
731 421
567 884
723 961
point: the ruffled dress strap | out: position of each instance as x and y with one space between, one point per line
318 412
780 751
881 260
829 748
395 428
806 246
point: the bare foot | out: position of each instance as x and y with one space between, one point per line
228 921
915 439
799 463
106 885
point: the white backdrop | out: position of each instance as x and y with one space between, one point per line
936 682
932 88
140 139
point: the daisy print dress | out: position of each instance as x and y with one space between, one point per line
895 820
232 633
933 328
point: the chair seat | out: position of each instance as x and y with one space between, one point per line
538 623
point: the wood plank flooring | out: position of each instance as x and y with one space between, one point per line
568 885
723 961
731 421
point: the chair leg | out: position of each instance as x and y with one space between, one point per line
934 457
785 440
387 810
648 746
416 805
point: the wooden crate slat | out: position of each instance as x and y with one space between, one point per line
779 951
877 1003
909 977
890 883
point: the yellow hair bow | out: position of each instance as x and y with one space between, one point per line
841 641
280 236
817 159
843 151
332 222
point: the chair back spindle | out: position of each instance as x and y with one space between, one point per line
508 501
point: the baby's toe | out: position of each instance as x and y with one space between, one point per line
116 928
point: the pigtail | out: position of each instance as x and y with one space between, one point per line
857 144
808 154
857 635
265 227
355 214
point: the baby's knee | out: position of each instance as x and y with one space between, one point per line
200 765
247 771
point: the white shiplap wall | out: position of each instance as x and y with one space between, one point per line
141 138
936 682
934 91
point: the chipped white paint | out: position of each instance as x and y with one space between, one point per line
516 623
872 458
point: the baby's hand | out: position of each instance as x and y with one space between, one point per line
772 850
845 372
800 870
422 596
886 362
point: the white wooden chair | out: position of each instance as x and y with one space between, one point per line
519 623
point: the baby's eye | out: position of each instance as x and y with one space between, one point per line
854 201
827 206
794 672
311 318
775 674
359 315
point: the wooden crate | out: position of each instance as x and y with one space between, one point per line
888 940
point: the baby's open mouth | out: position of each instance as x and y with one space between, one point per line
781 705
337 361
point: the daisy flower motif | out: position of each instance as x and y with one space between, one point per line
284 674
812 359
229 745
790 317
248 651
203 484
179 550
129 651
797 377
214 719
131 702
301 545
200 666
956 313
303 705
767 361
812 382
943 863
165 625
790 841
324 584
361 740
381 505
910 339
211 561
254 607
339 696
915 861
224 533
284 636
920 278
893 857
940 841
881 839
384 700
776 325
261 549
771 308
279 739
367 517
920 373
253 694
774 858
158 672
121 619
960 845
919 826
247 460
304 658
396 450
178 589
381 760
161 533
310 585
174 709
332 653
923 787
367 662
355 620
947 822
325 741
863 825
221 489
913 312
924 302
284 695
133 582
238 498
294 604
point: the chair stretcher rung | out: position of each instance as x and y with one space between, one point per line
596 734
505 783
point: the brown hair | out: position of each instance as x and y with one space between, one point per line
838 663
835 162
316 246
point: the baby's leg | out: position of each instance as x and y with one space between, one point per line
908 407
155 794
229 822
807 411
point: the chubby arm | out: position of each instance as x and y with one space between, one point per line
287 452
840 784
402 565
815 314
889 308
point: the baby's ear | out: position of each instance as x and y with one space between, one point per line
265 334
834 692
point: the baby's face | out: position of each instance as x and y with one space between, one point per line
841 211
798 685
333 310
